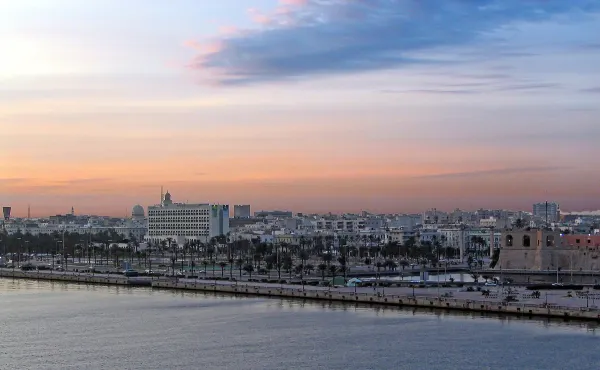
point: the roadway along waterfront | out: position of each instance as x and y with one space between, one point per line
552 304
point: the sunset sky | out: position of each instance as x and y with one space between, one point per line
306 105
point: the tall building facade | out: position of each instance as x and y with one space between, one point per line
184 222
241 211
549 211
6 213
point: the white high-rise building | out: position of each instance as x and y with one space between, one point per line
182 221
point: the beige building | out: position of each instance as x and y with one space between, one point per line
538 249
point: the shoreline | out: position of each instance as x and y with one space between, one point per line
328 295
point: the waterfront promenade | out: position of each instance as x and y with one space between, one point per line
551 304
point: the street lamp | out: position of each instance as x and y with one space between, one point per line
54 253
28 251
4 249
19 251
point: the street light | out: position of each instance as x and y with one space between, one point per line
19 251
28 252
4 249
54 253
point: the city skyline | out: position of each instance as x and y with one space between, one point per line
127 212
384 105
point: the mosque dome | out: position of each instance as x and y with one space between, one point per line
138 211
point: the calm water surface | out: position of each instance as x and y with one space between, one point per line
66 326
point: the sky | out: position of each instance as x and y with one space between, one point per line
303 105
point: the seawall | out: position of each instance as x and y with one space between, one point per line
391 300
75 278
297 292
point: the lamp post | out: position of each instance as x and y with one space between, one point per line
27 248
107 251
53 256
19 252
3 249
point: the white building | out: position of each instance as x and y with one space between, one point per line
182 221
352 225
399 235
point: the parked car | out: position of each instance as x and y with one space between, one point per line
130 273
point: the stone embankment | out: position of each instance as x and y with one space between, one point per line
392 300
334 294
75 277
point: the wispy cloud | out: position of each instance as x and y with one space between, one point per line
475 88
595 90
529 86
13 181
430 91
310 37
494 172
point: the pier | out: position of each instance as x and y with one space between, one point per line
554 305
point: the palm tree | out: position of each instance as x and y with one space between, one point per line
222 265
249 269
309 268
240 264
332 270
322 267
342 261
114 249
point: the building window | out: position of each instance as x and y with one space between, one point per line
509 240
577 241
550 241
526 241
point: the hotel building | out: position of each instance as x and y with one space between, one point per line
183 222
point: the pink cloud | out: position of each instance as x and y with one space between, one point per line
293 2
259 17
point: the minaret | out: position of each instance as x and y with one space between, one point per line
72 211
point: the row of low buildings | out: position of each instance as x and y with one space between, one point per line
182 222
